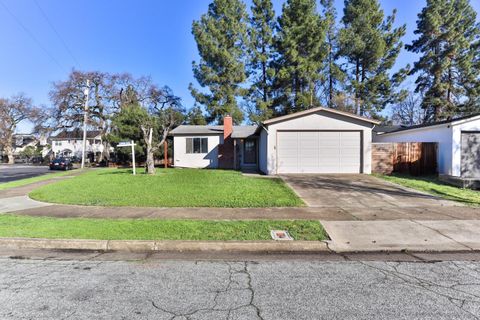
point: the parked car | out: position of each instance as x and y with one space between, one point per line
61 164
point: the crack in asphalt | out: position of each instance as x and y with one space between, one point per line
227 289
417 282
235 291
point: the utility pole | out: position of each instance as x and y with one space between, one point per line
85 118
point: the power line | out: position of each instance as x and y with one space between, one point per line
56 32
31 35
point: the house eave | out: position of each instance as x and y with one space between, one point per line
315 110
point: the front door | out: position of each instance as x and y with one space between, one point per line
250 151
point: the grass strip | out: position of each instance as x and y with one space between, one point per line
154 229
433 186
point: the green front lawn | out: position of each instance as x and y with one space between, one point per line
150 229
169 188
432 185
23 182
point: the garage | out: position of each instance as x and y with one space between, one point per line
319 151
470 145
318 140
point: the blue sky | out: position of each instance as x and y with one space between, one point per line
143 37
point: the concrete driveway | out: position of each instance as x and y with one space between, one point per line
358 191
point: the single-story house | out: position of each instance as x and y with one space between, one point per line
318 140
458 142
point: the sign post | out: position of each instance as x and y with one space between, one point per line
130 144
133 157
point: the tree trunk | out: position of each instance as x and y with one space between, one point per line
9 152
357 78
264 77
150 164
105 154
330 73
362 104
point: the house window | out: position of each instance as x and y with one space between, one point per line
197 145
58 143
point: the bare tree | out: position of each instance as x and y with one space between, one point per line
408 112
68 98
13 111
159 111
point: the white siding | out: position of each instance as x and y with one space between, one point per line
440 134
321 120
262 151
196 160
75 146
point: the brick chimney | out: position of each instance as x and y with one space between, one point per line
226 156
227 127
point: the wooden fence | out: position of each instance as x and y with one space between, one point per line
415 158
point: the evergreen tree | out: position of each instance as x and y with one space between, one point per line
195 117
300 44
261 54
221 40
370 45
448 67
333 73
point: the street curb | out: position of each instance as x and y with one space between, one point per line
266 246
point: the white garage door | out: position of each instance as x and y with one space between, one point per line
318 151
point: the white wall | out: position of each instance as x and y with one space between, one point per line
262 151
75 145
457 143
441 134
196 160
321 120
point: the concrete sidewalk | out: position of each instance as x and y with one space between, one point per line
311 213
20 203
400 235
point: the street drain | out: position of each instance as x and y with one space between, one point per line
280 235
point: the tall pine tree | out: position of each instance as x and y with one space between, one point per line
449 71
261 54
300 44
370 44
333 73
221 40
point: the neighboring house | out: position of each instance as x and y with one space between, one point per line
458 143
318 140
69 144
22 141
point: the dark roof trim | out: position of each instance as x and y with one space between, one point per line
75 134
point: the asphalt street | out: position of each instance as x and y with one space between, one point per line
262 289
16 172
